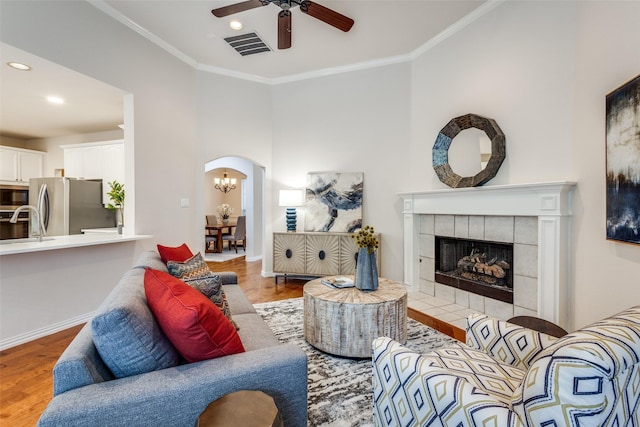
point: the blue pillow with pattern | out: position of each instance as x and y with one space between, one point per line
196 273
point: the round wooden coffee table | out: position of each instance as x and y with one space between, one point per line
345 322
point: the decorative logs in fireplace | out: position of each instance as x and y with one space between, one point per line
476 266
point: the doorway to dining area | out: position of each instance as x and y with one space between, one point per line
233 188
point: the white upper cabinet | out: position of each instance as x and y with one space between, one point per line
99 160
83 162
18 165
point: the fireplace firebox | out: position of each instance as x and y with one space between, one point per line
481 267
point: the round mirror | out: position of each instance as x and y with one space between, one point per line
475 155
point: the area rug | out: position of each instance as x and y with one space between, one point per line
339 388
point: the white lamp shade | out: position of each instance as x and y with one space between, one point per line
291 198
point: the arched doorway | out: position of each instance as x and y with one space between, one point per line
253 199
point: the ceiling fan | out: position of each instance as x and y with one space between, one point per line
316 10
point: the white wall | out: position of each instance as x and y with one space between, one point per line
352 122
234 123
542 70
607 273
514 65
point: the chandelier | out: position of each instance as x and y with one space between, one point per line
225 184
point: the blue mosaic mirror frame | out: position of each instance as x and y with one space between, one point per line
440 152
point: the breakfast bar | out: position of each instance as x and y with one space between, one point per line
52 285
20 246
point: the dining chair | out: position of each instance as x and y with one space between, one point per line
209 236
240 234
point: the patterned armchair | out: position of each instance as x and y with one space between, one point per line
508 375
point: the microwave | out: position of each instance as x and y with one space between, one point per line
12 196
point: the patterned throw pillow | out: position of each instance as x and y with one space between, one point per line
195 273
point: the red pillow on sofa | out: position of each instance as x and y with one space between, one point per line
179 253
192 322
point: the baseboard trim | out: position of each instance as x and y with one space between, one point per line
437 324
43 332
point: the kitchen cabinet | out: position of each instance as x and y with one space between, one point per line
83 162
315 254
97 160
18 165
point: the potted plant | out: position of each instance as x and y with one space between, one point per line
116 195
366 278
224 210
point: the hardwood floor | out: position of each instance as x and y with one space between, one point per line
25 371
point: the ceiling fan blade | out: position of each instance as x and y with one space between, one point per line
238 7
284 29
327 15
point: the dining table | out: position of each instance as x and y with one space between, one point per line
219 229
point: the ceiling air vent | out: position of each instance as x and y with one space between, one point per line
247 44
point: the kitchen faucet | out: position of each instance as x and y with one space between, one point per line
38 226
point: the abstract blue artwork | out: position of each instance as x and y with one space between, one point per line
623 162
333 201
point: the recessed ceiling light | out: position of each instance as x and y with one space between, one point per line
55 100
19 66
235 25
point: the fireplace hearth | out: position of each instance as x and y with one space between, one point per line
535 218
480 267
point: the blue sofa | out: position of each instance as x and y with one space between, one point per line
86 392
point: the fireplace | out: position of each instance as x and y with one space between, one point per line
477 266
534 219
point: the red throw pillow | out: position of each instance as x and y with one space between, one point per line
180 253
192 322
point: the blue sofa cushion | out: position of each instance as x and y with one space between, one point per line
125 333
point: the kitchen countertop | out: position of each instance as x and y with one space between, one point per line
64 242
111 230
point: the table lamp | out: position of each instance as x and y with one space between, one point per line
290 199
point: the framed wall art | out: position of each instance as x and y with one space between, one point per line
623 162
333 201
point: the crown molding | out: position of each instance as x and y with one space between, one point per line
104 7
231 73
430 44
342 69
457 26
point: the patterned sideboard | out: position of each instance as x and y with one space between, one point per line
315 254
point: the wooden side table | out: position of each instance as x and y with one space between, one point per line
539 325
345 322
242 408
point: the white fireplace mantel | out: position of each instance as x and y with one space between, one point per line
550 202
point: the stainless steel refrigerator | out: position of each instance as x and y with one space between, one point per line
68 205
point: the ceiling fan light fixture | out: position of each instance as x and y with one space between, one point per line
235 25
308 7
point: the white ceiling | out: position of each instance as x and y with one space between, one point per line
384 31
90 105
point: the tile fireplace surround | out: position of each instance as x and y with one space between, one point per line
536 218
